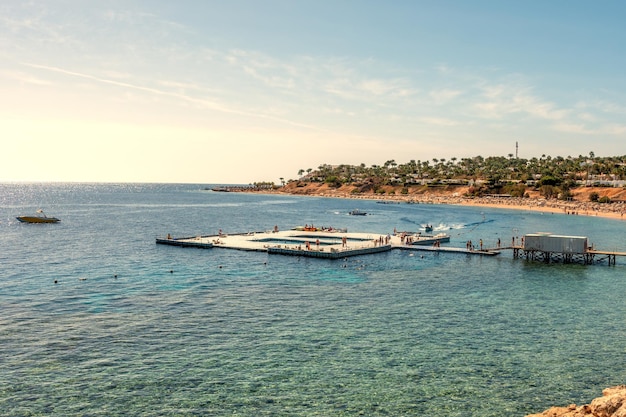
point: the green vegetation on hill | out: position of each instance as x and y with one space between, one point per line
552 177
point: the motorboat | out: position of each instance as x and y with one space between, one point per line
357 212
39 218
430 239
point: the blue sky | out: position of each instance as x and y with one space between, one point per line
244 91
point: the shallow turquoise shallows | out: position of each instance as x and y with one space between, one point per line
135 328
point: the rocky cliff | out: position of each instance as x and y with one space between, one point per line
611 404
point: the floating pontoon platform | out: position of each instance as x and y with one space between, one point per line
318 244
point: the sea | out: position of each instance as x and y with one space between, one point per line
96 319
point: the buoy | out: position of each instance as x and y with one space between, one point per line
56 282
171 271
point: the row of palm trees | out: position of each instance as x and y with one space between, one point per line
494 170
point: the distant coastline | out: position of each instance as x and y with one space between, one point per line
579 204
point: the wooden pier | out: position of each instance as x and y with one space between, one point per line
450 249
589 257
602 255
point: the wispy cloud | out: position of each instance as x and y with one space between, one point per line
499 101
22 77
368 90
595 120
97 79
272 81
306 75
394 87
510 100
203 102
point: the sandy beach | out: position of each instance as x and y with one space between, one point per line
615 211
580 206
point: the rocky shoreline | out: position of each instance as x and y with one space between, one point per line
611 404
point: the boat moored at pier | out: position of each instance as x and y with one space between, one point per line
430 239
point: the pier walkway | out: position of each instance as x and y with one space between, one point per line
450 249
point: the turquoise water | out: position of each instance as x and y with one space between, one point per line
132 328
312 239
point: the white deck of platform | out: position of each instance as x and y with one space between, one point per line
295 242
260 241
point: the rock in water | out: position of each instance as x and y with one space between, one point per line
611 404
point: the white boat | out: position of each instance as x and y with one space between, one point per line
429 240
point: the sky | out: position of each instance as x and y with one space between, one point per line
243 91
